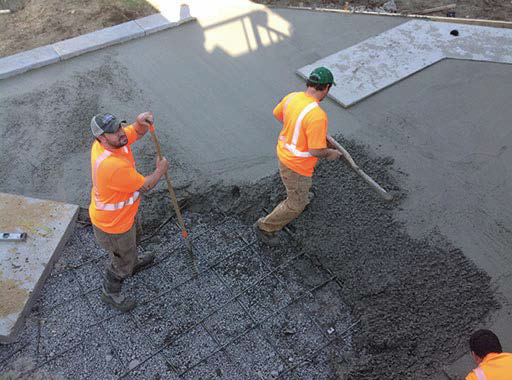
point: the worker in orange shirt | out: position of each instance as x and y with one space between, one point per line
301 142
493 363
116 187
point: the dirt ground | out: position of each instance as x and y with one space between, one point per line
35 23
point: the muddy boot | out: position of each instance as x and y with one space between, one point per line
144 262
272 239
111 293
311 195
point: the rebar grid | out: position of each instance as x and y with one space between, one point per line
235 296
318 350
314 321
215 310
255 324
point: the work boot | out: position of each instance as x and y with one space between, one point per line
118 301
311 195
111 293
269 238
144 262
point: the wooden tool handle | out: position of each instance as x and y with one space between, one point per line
169 186
346 155
369 180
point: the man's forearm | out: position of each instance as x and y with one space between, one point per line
142 123
320 153
330 154
151 181
140 129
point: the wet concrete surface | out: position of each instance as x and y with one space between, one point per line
195 79
448 129
350 269
445 129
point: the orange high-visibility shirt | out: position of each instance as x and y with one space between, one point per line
494 367
115 181
304 128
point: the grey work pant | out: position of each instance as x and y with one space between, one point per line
121 248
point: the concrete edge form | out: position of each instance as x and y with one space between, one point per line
97 40
34 295
27 60
31 59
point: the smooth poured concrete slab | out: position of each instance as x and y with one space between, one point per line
383 60
448 129
24 265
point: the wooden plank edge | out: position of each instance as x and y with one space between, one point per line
437 9
455 20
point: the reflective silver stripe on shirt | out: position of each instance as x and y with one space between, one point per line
293 146
116 206
480 373
108 206
97 163
295 151
286 105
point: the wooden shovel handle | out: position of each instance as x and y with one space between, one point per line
169 186
369 180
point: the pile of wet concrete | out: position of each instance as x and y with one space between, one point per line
417 300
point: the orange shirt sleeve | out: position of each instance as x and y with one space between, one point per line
131 134
125 178
278 111
471 376
316 129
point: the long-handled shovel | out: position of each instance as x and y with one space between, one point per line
369 180
174 201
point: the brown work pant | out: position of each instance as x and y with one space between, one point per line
297 191
121 248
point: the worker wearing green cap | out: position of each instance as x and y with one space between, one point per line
301 142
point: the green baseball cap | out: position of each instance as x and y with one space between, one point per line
321 75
